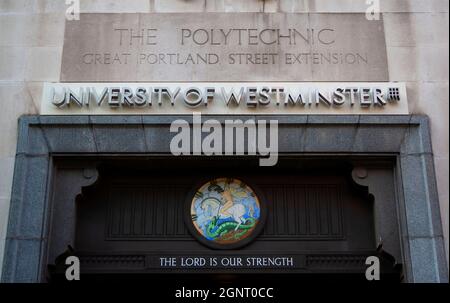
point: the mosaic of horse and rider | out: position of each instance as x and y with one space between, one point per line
225 210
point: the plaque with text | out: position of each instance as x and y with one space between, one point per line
224 47
168 98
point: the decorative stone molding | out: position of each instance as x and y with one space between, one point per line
61 226
379 184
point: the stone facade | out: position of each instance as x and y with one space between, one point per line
32 36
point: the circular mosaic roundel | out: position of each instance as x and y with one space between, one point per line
225 211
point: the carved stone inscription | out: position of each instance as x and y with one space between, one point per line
224 47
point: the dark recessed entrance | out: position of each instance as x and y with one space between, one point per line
135 214
346 187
